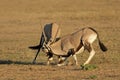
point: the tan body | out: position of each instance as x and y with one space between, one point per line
76 42
50 33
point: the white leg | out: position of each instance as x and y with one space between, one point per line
62 61
75 58
80 50
92 53
48 62
59 58
49 59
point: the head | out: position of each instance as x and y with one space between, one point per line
46 48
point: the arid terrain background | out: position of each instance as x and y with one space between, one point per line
20 28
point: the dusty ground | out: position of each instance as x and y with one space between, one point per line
20 27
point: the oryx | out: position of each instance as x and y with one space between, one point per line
50 33
75 43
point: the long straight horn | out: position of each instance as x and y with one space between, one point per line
43 32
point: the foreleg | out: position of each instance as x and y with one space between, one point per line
75 58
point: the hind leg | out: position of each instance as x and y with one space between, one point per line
91 51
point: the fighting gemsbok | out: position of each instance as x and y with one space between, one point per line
75 43
50 33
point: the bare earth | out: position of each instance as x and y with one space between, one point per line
20 22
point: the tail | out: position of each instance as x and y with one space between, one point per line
102 46
34 47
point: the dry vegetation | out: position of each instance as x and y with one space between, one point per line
20 27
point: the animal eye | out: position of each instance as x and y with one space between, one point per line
50 40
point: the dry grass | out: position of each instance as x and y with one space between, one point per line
20 27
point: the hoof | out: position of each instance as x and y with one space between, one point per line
82 67
60 64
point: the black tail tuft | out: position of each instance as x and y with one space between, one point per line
102 46
35 47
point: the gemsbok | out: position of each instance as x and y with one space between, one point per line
50 33
75 43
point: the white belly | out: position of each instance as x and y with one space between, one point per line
80 50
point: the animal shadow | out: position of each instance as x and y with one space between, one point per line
20 62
